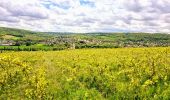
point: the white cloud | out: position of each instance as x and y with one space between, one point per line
87 15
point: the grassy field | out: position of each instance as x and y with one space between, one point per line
97 74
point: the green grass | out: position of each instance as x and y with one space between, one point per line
38 47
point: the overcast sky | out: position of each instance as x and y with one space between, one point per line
86 15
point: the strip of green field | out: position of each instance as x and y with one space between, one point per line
31 48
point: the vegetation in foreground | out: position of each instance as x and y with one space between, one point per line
129 73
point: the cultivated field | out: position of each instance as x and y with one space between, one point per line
97 74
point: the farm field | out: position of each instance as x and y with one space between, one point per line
84 50
96 74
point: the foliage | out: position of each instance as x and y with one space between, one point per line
122 73
18 80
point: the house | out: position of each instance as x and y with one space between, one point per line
6 43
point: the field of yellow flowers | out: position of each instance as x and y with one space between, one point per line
96 74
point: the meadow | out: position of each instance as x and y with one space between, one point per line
95 74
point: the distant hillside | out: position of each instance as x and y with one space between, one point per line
65 40
20 34
3 30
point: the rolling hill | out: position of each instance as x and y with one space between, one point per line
19 37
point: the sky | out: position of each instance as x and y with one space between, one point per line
86 15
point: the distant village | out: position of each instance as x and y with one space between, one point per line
71 42
50 42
